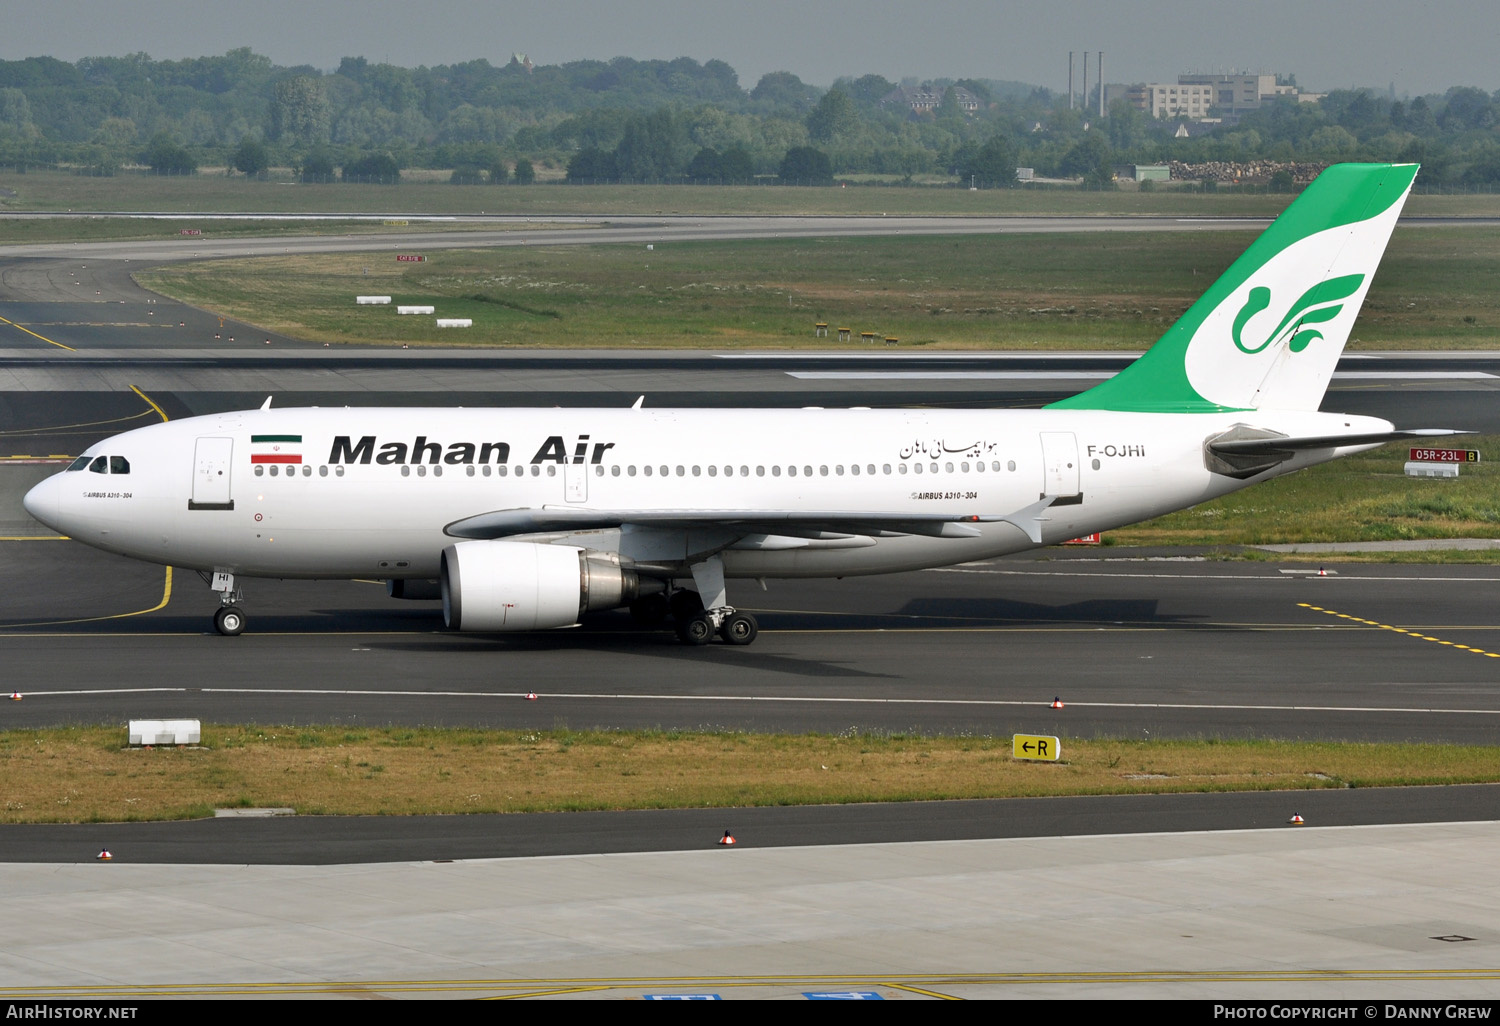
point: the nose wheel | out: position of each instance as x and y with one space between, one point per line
229 621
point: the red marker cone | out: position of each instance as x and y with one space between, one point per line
726 840
15 696
104 856
1296 820
531 696
1057 703
1322 572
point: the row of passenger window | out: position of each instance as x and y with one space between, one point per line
616 470
292 471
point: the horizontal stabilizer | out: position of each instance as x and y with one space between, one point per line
1274 444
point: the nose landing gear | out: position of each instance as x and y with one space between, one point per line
230 619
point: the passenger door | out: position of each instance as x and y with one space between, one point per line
1060 467
213 461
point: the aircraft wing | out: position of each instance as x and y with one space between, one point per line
1284 443
797 523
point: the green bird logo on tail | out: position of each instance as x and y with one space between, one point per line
1320 303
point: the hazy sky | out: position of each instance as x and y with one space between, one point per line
1419 46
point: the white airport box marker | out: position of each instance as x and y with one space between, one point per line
1431 469
372 300
166 732
455 322
416 309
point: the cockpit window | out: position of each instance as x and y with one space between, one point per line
100 465
79 463
119 465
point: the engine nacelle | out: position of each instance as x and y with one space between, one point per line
524 586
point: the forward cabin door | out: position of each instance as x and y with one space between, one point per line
213 460
1060 467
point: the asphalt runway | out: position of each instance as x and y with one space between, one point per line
618 230
1165 647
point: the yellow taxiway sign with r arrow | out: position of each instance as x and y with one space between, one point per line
1035 746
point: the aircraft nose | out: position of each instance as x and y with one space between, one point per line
41 502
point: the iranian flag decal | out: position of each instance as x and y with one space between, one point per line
275 448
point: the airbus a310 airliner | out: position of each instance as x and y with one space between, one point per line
523 519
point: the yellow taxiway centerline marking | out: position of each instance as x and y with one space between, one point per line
1399 630
70 427
44 338
166 596
153 405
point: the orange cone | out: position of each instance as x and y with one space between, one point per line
104 856
15 696
1296 820
1322 572
1057 703
726 840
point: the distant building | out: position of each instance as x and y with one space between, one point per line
1143 172
522 61
1235 93
922 98
1193 96
1172 101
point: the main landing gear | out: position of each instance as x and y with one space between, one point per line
230 618
698 621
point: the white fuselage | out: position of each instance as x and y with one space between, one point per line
343 493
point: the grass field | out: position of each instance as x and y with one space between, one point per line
211 192
1010 292
87 775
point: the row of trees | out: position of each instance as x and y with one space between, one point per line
661 121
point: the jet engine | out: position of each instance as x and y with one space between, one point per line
523 586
